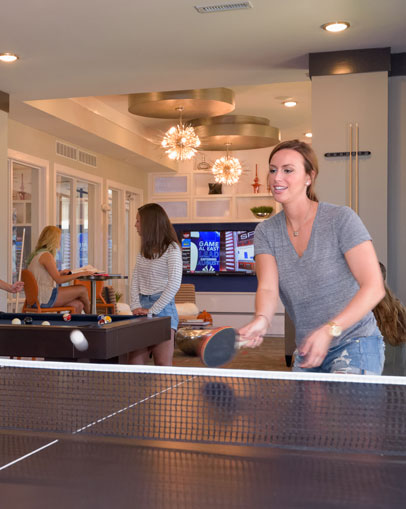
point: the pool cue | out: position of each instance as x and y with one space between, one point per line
21 265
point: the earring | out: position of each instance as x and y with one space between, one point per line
308 183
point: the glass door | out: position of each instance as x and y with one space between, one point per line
25 213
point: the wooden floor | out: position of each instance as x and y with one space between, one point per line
270 356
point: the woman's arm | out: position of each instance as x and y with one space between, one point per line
48 262
135 304
14 288
175 267
364 266
266 300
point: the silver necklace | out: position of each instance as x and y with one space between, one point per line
296 232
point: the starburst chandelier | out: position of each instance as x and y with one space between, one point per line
180 142
227 170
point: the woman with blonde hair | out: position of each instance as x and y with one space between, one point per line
43 266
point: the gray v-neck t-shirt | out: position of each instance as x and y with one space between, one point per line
317 286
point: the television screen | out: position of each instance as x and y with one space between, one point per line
223 251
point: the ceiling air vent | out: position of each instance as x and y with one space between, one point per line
223 7
66 150
86 158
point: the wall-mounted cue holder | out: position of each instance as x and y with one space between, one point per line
347 154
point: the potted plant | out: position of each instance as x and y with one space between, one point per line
262 212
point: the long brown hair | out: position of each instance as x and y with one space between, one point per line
390 315
157 232
311 164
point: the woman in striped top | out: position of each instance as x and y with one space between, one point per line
156 278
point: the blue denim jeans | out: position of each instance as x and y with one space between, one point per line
362 356
147 301
52 299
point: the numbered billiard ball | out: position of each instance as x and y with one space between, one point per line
16 321
28 320
67 317
101 322
100 317
108 319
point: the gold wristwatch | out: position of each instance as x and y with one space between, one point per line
335 329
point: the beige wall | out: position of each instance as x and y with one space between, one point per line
4 206
42 145
338 101
397 187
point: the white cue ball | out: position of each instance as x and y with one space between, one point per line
16 321
78 339
46 323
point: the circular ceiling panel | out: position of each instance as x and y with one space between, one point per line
201 102
241 131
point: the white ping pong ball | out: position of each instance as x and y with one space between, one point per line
79 341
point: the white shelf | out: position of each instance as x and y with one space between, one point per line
200 206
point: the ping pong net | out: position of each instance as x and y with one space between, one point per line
255 408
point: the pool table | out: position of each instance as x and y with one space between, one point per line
108 342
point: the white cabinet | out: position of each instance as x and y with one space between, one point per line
186 198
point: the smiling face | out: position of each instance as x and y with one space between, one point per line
287 176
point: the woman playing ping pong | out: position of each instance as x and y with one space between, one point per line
320 259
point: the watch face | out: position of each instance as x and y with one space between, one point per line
336 330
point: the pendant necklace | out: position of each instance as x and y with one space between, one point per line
296 232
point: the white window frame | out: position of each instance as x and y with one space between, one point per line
133 237
95 212
133 240
42 165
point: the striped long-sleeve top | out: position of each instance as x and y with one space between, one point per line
159 275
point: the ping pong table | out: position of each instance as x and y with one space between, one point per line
87 436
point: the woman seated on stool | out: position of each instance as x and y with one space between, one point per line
43 266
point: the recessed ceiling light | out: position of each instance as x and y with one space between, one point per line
8 57
308 135
336 26
290 103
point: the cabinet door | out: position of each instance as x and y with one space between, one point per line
337 102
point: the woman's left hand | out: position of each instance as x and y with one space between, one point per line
315 347
140 311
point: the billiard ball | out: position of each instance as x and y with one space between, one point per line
28 320
46 323
101 322
108 319
16 321
100 317
67 317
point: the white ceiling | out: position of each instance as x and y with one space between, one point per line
108 49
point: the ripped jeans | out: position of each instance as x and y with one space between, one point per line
361 356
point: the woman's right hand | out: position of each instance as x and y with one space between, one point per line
253 333
85 273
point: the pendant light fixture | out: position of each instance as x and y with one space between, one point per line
180 142
227 170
